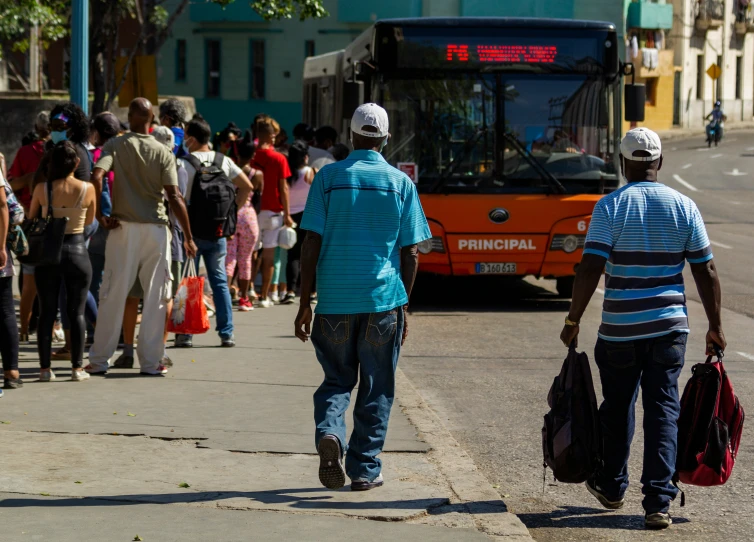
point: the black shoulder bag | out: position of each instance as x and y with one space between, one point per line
45 236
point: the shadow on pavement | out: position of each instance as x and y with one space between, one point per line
570 517
294 497
483 294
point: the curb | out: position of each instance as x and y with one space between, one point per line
470 487
687 133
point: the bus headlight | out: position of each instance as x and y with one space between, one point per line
570 243
425 247
567 243
434 244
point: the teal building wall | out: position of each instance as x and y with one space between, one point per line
285 46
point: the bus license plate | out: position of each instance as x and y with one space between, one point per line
496 268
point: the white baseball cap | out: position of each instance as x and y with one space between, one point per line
370 115
641 139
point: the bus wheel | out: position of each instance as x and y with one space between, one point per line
564 286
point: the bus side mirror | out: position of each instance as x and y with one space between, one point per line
635 99
353 97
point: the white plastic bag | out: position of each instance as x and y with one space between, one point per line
287 238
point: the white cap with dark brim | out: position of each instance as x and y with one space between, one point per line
641 139
370 115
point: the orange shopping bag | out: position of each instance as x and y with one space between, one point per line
189 314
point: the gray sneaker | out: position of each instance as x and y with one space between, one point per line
124 362
331 472
183 341
657 521
596 490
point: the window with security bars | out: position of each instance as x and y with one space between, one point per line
257 70
180 60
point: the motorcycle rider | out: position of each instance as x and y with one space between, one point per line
718 119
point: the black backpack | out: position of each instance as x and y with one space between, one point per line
571 436
212 210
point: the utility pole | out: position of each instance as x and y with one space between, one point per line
80 54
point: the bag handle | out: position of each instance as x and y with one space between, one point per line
718 352
190 269
49 201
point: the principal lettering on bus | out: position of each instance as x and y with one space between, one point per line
496 244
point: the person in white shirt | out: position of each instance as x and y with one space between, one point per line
198 134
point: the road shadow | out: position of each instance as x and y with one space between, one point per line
483 294
581 517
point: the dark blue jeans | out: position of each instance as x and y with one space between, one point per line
655 365
361 348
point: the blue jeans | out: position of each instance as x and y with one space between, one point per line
214 260
353 348
655 365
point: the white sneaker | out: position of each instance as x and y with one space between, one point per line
79 376
266 303
274 297
46 376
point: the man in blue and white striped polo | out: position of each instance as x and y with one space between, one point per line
642 235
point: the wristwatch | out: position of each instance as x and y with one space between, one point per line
570 322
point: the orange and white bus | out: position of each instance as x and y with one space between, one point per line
510 129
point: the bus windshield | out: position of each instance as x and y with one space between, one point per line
503 133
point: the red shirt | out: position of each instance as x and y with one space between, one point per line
26 161
274 166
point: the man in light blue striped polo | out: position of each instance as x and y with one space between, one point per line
642 235
364 221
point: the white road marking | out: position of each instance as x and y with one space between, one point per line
721 245
745 355
750 148
602 292
684 183
703 149
735 173
734 203
674 149
716 155
687 166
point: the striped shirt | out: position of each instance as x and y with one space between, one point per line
366 211
646 231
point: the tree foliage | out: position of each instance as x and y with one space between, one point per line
18 16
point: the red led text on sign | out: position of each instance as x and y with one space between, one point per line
513 54
460 52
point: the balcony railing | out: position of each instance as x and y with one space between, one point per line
710 14
745 19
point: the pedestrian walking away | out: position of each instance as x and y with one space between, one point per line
275 212
11 214
73 199
364 220
211 247
139 241
642 235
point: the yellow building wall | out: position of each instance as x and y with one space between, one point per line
658 117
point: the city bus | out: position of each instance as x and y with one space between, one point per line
509 127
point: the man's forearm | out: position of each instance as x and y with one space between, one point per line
309 257
409 267
708 286
587 278
178 206
4 216
96 180
19 183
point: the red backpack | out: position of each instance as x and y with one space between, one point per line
709 427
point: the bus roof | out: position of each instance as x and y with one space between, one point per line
497 22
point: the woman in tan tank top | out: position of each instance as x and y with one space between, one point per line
75 200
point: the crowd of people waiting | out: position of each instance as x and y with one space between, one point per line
126 190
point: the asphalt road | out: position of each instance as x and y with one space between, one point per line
484 355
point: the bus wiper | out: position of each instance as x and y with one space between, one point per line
529 157
468 146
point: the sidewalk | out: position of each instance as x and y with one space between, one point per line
683 133
235 425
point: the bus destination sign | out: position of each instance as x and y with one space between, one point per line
510 54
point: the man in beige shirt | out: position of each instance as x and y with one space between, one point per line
138 246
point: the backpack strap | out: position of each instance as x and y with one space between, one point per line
194 161
218 160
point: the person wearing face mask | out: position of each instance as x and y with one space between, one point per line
68 122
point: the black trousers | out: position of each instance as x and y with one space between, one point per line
75 271
8 327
